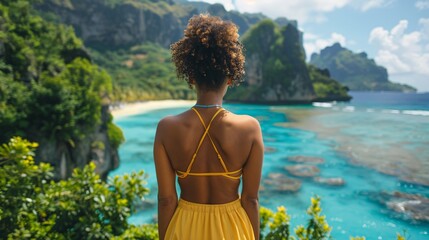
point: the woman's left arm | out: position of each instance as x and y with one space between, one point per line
166 177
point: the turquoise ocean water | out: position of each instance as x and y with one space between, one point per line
378 144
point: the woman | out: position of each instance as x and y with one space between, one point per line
209 148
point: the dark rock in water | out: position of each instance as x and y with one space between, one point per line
276 176
405 205
301 170
412 205
147 204
279 182
270 150
337 181
269 139
155 218
305 159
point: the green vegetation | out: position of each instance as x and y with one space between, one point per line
115 134
276 225
143 72
33 206
278 52
49 89
326 88
355 70
279 222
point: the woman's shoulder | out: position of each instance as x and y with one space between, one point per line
243 121
173 120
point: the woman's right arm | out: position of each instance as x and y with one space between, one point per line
252 177
166 177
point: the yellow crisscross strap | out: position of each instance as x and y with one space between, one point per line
227 173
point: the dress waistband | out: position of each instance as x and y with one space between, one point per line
201 207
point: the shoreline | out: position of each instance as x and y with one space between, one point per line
130 109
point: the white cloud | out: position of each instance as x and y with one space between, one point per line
383 37
367 5
424 22
404 53
421 5
395 63
313 43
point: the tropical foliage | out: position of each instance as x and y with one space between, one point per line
279 223
48 86
33 206
326 88
143 72
279 51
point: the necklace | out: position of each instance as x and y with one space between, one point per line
208 106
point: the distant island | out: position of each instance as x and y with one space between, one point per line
356 70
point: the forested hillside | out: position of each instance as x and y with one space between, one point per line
50 92
142 72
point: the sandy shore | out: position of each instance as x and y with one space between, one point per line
129 109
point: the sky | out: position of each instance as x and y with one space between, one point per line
395 33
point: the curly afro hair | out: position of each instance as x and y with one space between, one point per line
209 53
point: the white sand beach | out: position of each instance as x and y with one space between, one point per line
129 109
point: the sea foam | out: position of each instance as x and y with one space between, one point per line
416 112
394 111
324 104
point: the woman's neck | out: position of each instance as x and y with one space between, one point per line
210 97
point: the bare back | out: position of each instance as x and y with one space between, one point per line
233 135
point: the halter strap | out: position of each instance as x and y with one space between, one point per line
227 173
211 140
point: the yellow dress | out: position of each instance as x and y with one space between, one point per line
195 221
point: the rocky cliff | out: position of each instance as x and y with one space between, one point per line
275 66
356 70
104 25
94 147
243 20
111 24
116 24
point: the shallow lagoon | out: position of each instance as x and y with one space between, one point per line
357 140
